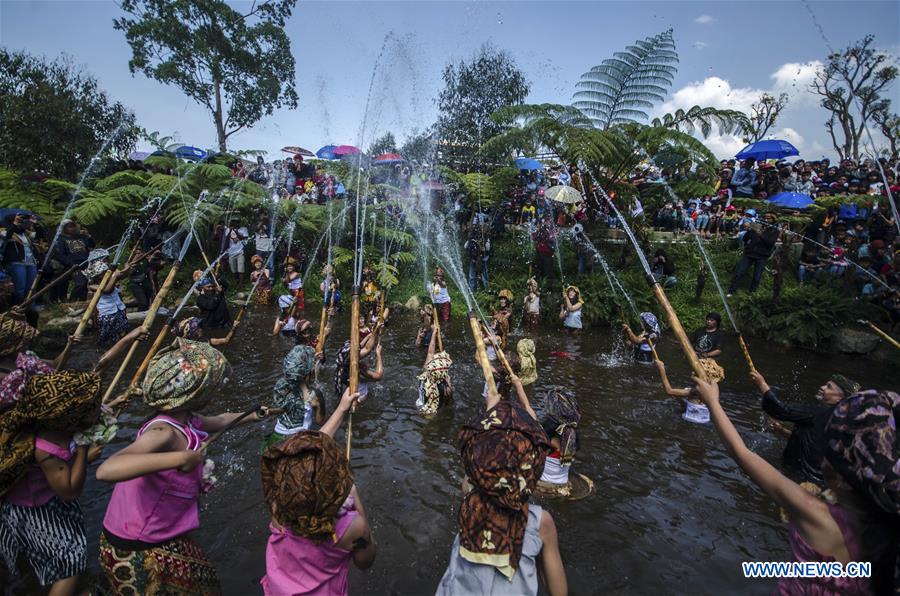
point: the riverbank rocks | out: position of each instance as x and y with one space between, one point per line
854 341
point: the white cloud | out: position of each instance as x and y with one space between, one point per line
699 45
712 92
705 19
790 135
794 79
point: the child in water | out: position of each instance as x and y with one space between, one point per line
262 278
694 410
532 304
435 387
504 310
570 313
643 343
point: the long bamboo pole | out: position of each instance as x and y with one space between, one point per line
500 355
678 330
56 281
437 327
234 325
85 317
481 355
746 352
354 361
882 333
147 324
154 348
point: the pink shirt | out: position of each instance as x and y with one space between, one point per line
159 506
33 490
297 565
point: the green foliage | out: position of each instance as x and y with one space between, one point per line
238 66
54 117
621 88
704 119
419 146
474 90
383 144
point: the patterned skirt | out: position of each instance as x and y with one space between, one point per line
263 295
112 328
176 567
50 536
532 320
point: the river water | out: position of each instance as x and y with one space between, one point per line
671 512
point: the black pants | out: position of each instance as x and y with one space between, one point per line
143 293
743 266
79 287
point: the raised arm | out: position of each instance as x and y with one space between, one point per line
158 449
683 393
630 336
136 334
337 417
522 396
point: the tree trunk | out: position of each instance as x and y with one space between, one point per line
217 116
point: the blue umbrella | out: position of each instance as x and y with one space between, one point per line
190 153
769 149
792 200
528 163
7 211
327 152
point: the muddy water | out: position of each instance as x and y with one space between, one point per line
671 513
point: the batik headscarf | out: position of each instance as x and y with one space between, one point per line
27 365
503 452
863 445
297 365
561 417
437 371
306 479
55 401
185 377
14 334
96 266
714 372
189 329
848 386
527 361
650 321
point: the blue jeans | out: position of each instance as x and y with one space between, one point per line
474 276
702 222
743 266
585 263
23 276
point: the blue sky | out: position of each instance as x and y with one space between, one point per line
730 52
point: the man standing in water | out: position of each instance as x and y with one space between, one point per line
806 443
708 341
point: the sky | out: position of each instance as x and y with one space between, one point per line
730 53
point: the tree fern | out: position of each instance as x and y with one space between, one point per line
726 121
621 88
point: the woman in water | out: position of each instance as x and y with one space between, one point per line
694 410
504 310
294 394
319 524
858 516
144 544
294 282
532 304
440 296
643 343
286 323
435 387
570 313
560 419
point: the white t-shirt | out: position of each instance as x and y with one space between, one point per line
573 319
439 294
555 472
263 243
110 304
235 244
697 413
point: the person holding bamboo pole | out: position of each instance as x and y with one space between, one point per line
570 313
112 322
159 478
694 409
367 344
643 342
440 295
435 387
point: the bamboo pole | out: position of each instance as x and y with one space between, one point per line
678 330
481 355
86 316
437 327
34 284
154 348
56 281
746 352
354 361
500 355
147 324
882 333
234 325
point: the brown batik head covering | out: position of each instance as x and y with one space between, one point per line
14 334
55 401
503 452
306 479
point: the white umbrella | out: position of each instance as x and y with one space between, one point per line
564 194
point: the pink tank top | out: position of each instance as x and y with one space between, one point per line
159 506
33 490
298 565
803 552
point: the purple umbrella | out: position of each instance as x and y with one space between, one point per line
345 150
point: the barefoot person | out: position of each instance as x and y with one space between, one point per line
319 524
42 474
806 441
144 544
504 541
858 519
694 410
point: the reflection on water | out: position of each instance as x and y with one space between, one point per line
671 512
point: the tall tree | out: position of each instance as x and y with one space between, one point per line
418 146
383 144
851 84
763 114
473 91
889 125
237 65
54 117
621 88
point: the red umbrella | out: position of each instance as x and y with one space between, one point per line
298 151
388 158
345 150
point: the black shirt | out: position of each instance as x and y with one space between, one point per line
706 341
805 448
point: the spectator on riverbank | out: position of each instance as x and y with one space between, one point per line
758 247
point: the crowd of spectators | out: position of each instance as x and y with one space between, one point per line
291 178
